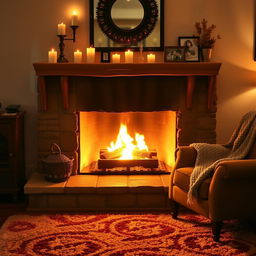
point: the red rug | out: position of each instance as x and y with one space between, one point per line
121 235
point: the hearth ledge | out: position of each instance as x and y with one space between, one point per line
93 193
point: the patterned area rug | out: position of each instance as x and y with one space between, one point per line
121 235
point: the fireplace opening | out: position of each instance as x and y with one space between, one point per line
127 142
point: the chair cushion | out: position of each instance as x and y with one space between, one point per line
182 179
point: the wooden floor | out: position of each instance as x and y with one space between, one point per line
9 207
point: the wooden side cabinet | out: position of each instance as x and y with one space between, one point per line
12 167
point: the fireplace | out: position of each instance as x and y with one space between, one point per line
153 147
83 105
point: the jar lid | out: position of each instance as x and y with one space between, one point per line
56 156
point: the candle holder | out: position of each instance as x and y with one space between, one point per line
61 58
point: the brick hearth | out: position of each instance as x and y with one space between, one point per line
93 192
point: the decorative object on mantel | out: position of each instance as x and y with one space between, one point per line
141 57
52 56
206 40
174 54
90 55
57 167
116 58
105 56
128 56
191 47
62 36
151 58
78 56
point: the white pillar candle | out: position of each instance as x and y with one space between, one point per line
116 58
78 56
74 19
128 56
52 56
90 52
62 29
151 58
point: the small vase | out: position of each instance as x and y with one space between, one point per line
206 54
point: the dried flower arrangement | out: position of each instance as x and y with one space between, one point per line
206 40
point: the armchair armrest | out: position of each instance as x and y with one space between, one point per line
237 169
232 190
185 157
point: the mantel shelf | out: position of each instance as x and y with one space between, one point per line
127 69
189 69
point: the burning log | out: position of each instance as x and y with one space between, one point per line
105 154
138 154
112 163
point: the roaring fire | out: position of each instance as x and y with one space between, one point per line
125 147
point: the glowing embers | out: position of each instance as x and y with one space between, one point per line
128 152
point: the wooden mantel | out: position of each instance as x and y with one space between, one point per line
188 69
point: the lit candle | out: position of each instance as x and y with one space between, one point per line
129 56
74 19
116 58
52 56
90 52
151 58
77 56
62 29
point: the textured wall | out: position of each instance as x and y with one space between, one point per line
28 31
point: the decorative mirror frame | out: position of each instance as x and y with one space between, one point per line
140 32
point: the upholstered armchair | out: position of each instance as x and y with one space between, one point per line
229 194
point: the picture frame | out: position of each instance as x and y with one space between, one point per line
105 57
174 54
191 47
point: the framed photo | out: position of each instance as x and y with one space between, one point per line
105 56
191 47
174 54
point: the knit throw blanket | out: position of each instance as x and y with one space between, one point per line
209 155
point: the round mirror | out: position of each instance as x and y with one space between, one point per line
127 14
142 19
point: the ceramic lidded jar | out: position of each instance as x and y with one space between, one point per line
57 167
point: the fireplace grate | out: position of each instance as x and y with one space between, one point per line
94 169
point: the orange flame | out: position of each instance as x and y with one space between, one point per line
126 145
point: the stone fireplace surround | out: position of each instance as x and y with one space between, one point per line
65 89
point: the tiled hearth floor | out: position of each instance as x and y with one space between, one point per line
105 192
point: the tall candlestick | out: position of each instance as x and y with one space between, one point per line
116 58
74 19
128 56
62 29
52 56
90 52
151 58
78 56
